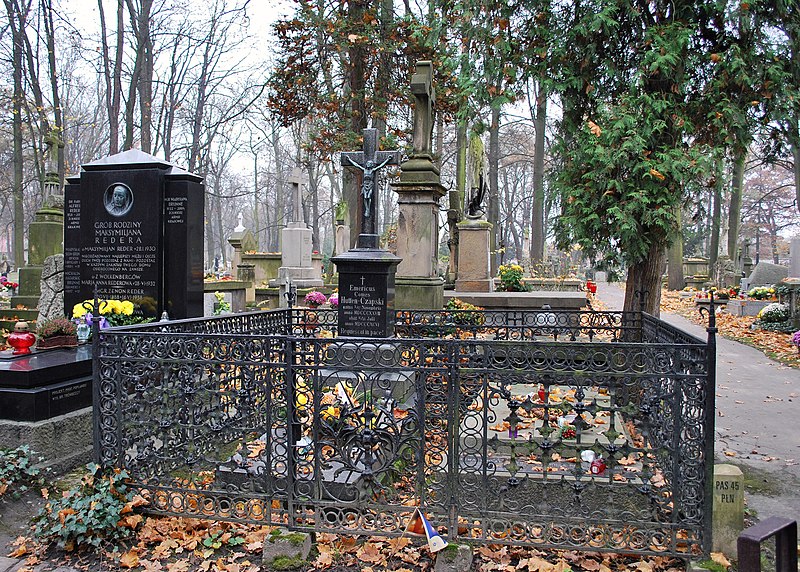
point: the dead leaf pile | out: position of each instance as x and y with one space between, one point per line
775 345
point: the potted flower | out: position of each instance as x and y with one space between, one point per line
315 299
796 340
56 333
334 300
112 313
6 284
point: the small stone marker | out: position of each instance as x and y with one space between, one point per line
285 550
454 558
728 511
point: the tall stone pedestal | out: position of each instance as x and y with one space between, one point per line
474 261
417 285
45 238
296 259
366 292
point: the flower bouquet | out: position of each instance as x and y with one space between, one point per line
111 313
8 285
315 299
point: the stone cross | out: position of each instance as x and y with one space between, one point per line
424 98
369 161
297 179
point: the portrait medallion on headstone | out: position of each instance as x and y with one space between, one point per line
118 199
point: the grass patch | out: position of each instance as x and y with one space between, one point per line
287 563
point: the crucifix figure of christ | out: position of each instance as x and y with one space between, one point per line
369 161
297 180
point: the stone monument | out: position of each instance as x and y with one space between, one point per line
417 284
367 272
342 239
728 508
45 233
296 245
794 253
767 274
474 271
243 241
134 229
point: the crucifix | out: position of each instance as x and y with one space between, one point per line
297 179
424 97
369 161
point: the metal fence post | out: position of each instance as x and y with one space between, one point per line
95 308
710 405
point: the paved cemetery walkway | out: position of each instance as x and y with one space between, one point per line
758 417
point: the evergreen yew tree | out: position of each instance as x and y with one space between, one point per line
637 85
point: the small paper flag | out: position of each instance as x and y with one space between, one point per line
419 525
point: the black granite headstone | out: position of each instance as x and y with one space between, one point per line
366 292
134 229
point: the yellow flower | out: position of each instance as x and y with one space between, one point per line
330 413
78 310
126 308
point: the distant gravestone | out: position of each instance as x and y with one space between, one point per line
767 274
51 301
728 508
794 253
134 229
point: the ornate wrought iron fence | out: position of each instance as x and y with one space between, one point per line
526 427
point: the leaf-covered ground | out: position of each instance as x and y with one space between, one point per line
775 345
168 544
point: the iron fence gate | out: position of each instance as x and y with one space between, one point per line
496 428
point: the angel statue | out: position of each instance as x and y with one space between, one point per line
478 187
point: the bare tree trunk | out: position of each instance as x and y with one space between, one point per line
280 192
645 277
716 215
113 76
58 116
493 212
735 205
796 157
142 73
313 188
16 19
537 217
675 257
357 74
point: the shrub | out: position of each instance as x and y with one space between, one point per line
17 473
774 313
90 513
55 327
470 314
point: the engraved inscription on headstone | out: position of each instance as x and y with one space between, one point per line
114 245
363 303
